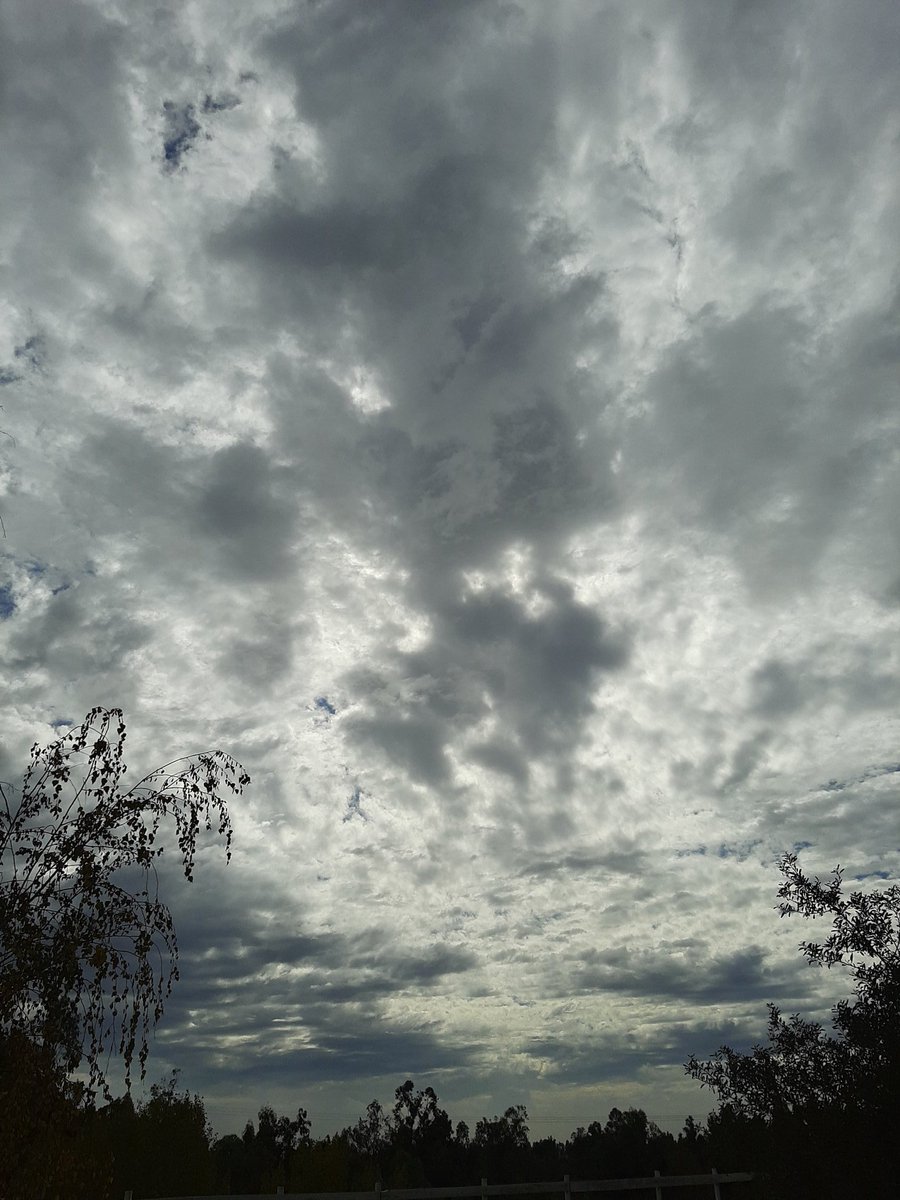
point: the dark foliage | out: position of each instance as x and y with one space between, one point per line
161 1146
45 1146
415 1145
821 1110
88 952
164 1147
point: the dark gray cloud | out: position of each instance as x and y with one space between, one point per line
261 653
503 755
695 977
67 635
489 657
627 861
415 745
312 1005
778 688
857 683
240 509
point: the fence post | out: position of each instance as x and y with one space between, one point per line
658 1189
279 1191
377 1189
567 1187
716 1190
483 1188
129 1194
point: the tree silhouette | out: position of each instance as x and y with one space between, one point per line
276 1138
88 952
803 1069
864 938
501 1144
370 1136
507 1132
44 1150
418 1123
162 1144
823 1108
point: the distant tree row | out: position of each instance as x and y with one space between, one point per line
165 1147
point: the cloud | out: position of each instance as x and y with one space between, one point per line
239 509
413 745
490 664
481 420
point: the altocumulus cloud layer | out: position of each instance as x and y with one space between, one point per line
481 419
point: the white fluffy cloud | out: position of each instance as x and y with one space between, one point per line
481 419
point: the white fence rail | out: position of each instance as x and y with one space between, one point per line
565 1187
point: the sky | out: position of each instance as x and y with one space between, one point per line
480 418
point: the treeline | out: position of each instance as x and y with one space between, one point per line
416 1144
164 1146
57 1143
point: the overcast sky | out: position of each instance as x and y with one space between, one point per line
481 418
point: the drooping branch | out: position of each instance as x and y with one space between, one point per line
88 957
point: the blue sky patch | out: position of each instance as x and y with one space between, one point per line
739 850
7 603
353 807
